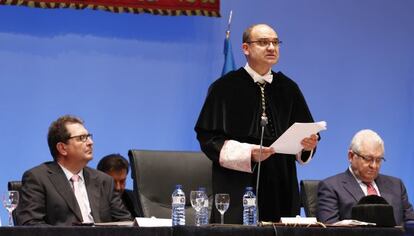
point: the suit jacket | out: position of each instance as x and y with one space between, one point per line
47 197
338 194
131 203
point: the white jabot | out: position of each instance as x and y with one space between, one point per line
268 77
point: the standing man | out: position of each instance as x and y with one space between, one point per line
65 191
338 194
117 167
229 130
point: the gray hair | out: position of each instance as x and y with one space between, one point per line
365 135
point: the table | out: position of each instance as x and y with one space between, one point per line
211 230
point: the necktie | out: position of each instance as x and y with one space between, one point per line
80 198
370 189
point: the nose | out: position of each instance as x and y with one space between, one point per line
271 46
118 186
374 164
89 140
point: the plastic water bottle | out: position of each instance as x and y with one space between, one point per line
202 216
178 206
249 207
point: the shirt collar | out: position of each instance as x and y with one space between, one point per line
358 180
69 174
268 77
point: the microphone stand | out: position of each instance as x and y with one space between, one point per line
263 123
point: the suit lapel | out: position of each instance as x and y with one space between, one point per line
384 189
93 189
352 186
58 179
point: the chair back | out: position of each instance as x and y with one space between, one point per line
155 174
309 196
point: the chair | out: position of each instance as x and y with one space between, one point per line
309 196
155 174
16 186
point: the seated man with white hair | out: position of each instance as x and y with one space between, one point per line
338 194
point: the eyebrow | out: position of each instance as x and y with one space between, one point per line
267 39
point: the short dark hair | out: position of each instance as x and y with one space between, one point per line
247 32
113 162
58 132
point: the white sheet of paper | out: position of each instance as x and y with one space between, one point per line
289 142
117 223
152 222
298 220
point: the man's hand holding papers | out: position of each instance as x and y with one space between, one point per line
298 137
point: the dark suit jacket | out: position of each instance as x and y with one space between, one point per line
131 203
338 194
47 197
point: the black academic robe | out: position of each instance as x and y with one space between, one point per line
232 110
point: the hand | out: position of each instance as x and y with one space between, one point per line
266 153
309 143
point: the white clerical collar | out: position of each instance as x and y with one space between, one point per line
268 77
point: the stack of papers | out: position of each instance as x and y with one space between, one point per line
352 223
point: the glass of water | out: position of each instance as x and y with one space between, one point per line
10 201
197 199
222 201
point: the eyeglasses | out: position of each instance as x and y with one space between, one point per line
82 137
266 43
370 160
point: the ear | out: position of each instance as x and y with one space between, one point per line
61 147
350 156
245 48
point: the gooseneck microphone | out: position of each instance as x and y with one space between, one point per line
263 123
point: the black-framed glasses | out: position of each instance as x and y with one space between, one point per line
266 42
370 160
82 137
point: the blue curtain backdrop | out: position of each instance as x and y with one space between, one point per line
139 80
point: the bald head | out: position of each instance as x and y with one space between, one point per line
247 33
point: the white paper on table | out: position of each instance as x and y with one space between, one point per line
298 220
289 142
152 222
351 222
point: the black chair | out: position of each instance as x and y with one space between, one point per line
14 186
155 174
309 196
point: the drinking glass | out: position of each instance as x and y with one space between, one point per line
10 201
222 201
197 199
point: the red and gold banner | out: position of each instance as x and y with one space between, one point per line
156 7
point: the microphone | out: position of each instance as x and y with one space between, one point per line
263 123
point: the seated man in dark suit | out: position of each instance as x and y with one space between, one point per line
65 191
117 166
338 194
